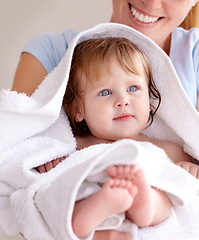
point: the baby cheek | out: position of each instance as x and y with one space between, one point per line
98 113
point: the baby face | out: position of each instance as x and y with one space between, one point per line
117 105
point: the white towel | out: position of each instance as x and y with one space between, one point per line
47 204
35 130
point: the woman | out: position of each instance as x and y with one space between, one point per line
157 19
154 18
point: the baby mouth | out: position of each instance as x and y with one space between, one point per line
141 17
123 117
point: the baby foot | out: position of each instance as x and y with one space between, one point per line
122 171
118 195
141 211
113 198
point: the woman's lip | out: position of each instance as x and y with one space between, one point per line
123 117
142 17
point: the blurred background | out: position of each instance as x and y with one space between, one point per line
20 20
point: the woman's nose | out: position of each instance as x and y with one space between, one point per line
152 4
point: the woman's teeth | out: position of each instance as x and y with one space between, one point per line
143 18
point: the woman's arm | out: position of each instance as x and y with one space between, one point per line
29 74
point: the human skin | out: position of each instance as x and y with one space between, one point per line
120 101
115 196
126 191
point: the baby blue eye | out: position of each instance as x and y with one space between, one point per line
105 92
132 89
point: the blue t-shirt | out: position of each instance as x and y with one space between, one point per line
49 48
184 54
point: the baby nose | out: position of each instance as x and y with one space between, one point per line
122 102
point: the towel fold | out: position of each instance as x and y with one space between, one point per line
68 186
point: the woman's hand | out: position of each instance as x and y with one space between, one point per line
111 235
49 165
191 168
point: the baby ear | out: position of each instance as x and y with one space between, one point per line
79 117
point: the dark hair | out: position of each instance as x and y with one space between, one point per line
89 58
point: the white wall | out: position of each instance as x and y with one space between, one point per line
20 20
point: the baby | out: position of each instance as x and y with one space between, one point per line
107 99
